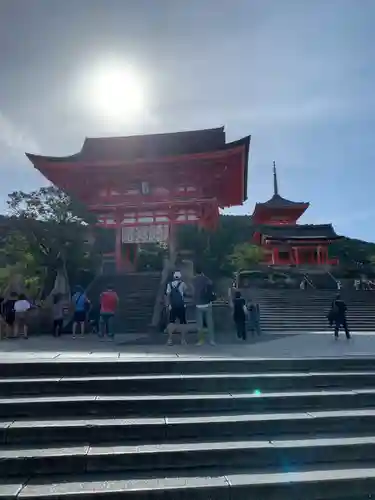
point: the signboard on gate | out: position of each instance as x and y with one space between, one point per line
145 234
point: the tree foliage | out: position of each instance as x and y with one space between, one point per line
51 228
211 249
246 256
48 204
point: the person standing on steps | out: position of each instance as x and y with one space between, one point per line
108 305
94 317
254 317
21 309
239 315
337 316
203 298
81 305
175 294
58 314
9 313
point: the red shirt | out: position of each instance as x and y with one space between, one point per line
108 302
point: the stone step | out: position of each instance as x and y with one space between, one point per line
258 455
31 366
160 405
203 428
310 323
175 384
311 328
313 308
193 427
321 318
334 482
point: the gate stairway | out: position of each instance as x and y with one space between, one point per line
289 310
306 310
137 293
229 429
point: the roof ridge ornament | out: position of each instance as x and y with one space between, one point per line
275 184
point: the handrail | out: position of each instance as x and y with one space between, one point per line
308 281
331 275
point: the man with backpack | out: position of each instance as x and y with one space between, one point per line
175 293
81 306
203 297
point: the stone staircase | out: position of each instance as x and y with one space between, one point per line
306 310
322 281
303 310
137 293
229 429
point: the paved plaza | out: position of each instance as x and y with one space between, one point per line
139 346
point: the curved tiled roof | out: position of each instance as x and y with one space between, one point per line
296 231
278 201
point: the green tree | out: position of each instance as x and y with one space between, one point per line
211 249
245 256
52 228
48 204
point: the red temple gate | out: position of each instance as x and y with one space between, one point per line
145 186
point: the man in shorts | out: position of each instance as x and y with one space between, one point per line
81 304
108 305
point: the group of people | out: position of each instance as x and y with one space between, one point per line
363 284
13 316
15 310
203 295
246 315
99 315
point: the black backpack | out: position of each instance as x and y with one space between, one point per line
176 299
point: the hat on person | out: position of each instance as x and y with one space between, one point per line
177 275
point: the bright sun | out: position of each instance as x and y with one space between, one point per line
118 91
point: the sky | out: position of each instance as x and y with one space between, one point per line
299 76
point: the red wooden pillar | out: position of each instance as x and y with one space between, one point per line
276 258
296 255
118 249
319 255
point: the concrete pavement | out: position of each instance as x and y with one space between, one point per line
125 346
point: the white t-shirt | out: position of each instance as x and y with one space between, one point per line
21 305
